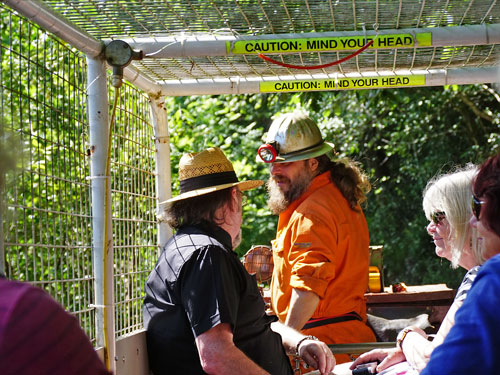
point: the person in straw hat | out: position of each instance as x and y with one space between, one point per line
203 312
320 253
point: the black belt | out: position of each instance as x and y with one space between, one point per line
311 323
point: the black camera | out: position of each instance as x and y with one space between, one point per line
365 369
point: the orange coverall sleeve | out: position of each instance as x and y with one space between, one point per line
311 254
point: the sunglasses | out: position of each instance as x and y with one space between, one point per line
437 217
476 206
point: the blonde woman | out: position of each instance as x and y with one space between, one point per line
446 203
472 344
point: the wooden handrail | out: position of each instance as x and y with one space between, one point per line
360 348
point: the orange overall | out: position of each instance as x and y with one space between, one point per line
322 246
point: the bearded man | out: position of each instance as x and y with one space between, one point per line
320 253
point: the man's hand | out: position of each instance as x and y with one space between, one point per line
317 355
386 357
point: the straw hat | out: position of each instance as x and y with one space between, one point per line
292 137
208 171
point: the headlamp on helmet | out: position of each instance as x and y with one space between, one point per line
268 152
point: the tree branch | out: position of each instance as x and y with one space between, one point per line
474 108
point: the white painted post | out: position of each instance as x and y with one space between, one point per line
162 151
101 209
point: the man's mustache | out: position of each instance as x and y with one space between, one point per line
280 178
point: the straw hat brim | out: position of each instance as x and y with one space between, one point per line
322 149
243 185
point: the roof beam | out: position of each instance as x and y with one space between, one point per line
135 77
44 16
459 76
173 47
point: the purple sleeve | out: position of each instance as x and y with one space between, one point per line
38 336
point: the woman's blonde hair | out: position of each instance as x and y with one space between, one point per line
451 193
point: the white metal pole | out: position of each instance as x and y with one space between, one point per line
101 208
45 17
435 77
162 150
194 46
139 80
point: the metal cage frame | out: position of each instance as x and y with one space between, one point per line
182 47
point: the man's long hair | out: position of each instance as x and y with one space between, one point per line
193 211
349 178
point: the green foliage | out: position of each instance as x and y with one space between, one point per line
401 137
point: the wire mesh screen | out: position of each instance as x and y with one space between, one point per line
180 19
47 233
134 207
145 18
46 216
403 59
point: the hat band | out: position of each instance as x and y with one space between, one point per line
207 180
302 150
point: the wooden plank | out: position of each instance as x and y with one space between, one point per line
417 293
132 355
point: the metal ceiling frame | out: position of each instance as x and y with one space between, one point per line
171 47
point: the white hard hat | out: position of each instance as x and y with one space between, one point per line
292 137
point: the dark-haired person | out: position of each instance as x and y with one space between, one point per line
321 251
473 344
203 312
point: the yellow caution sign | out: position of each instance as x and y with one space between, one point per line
343 83
328 44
